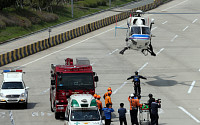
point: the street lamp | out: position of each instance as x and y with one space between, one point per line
72 8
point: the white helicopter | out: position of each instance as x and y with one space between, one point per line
138 36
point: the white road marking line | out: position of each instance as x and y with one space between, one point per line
192 85
113 51
154 28
175 5
189 114
160 51
105 56
64 48
143 66
35 114
164 22
119 88
194 20
126 82
185 28
45 91
174 38
11 118
160 111
2 114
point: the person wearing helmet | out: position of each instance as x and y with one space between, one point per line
136 80
134 104
99 103
106 94
95 96
108 99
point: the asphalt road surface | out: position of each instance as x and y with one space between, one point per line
173 75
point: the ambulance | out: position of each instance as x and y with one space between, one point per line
82 110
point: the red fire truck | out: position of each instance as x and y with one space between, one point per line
70 79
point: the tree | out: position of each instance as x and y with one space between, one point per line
6 3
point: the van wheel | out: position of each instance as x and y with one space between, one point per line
25 105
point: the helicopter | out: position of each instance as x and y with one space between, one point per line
138 35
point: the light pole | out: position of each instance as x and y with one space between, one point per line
49 29
109 3
72 8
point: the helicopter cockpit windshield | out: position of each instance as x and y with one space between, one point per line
135 30
140 30
146 30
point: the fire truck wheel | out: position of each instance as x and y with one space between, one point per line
57 115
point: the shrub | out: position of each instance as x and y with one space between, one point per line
7 21
29 15
47 17
2 24
20 21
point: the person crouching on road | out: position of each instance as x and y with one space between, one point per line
107 113
134 104
108 99
99 103
154 112
122 114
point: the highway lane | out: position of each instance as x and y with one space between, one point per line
170 74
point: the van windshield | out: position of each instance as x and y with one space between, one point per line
76 81
85 115
12 85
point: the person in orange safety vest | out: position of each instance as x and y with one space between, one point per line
134 104
106 94
108 99
99 103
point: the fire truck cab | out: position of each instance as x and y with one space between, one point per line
70 79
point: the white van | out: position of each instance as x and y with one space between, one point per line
81 110
13 89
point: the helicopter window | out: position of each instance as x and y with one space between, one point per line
145 30
135 30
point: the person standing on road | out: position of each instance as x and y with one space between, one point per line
151 99
134 104
154 112
106 94
136 80
122 114
108 99
99 104
107 113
